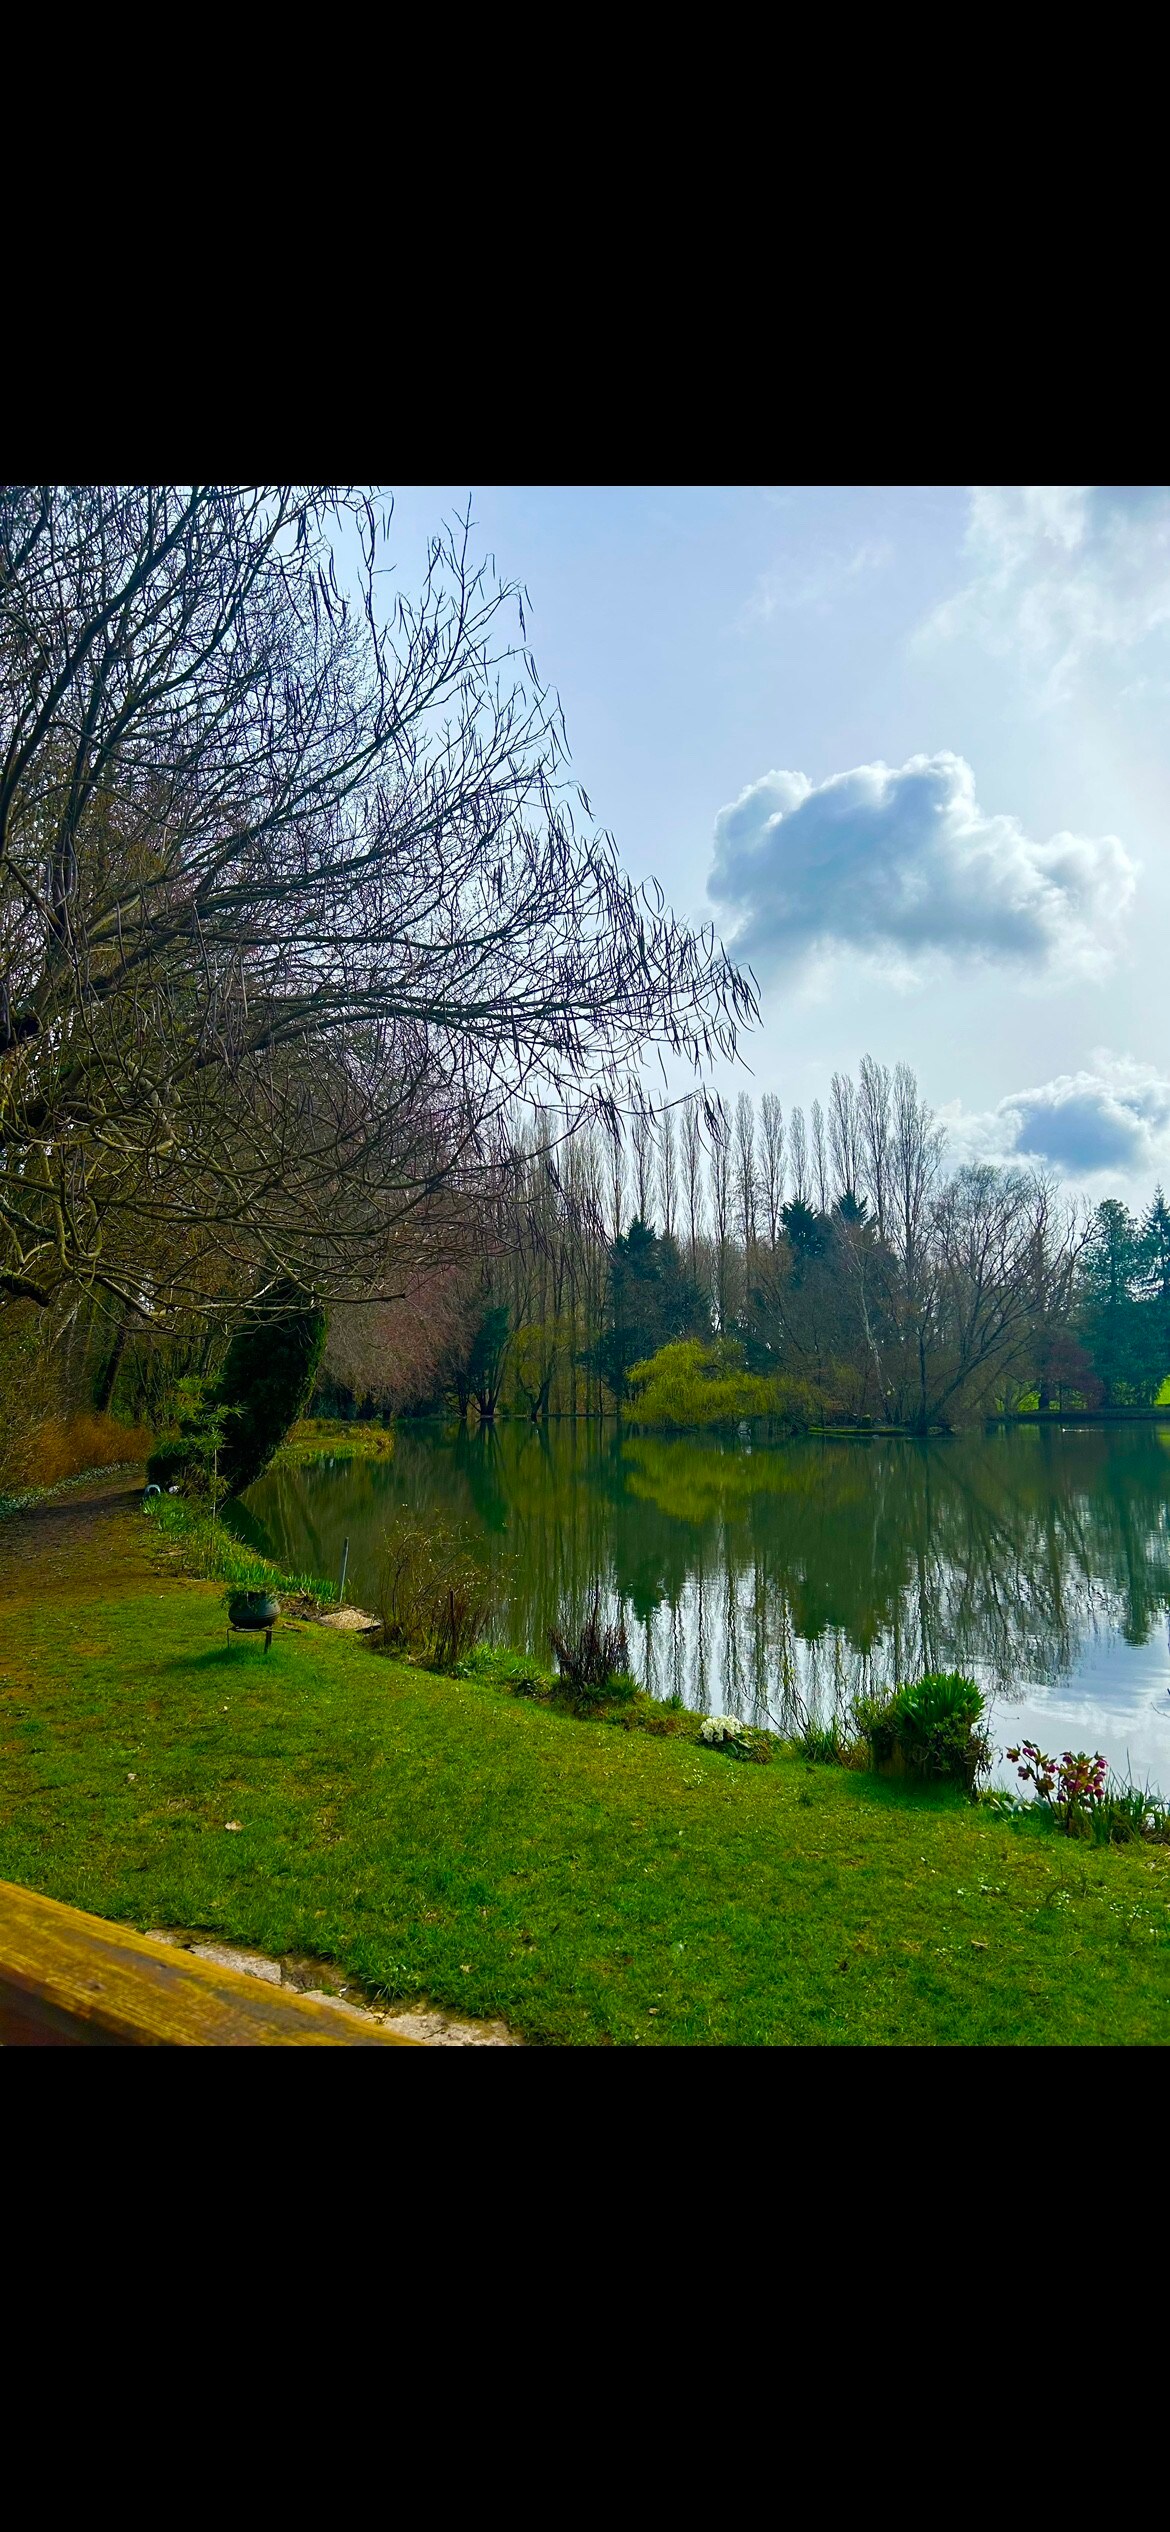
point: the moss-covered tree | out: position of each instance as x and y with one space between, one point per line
267 1382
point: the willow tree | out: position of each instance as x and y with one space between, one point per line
296 901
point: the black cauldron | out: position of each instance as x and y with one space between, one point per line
255 1612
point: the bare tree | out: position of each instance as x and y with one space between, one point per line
294 905
642 1141
820 1157
692 1145
616 1176
798 1147
845 1136
916 1149
745 1173
988 1228
772 1174
721 1201
874 1134
668 1171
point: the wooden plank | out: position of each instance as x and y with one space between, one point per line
69 1980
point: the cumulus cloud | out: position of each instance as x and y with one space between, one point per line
901 864
1113 1119
1059 571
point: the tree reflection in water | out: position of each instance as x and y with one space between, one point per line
755 1575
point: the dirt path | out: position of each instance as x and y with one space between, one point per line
83 1537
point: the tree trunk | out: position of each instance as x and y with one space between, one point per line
109 1379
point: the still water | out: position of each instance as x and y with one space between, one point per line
753 1575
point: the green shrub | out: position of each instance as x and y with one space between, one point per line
695 1384
831 1744
664 1718
331 1437
933 1725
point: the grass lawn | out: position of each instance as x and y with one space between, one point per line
440 1838
331 1437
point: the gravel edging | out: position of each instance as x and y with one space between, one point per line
423 2022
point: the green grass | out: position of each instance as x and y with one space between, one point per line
592 1885
192 1541
332 1437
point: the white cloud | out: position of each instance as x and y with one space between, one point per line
1110 1121
1060 571
901 865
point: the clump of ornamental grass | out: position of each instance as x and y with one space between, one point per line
831 1743
516 1672
820 1745
593 1661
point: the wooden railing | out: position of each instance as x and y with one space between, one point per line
68 1980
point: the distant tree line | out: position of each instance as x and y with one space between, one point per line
833 1256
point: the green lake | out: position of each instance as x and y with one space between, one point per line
754 1574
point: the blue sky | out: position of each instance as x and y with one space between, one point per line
907 748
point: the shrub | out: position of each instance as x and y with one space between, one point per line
696 1384
436 1596
332 1437
195 1461
934 1726
168 1464
32 1394
593 1663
